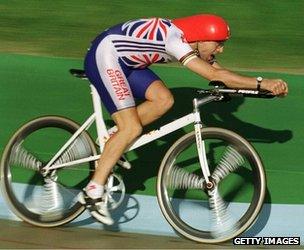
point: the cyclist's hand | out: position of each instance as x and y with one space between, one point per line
276 86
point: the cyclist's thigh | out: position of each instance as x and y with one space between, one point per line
142 81
105 73
157 92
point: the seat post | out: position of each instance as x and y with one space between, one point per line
102 131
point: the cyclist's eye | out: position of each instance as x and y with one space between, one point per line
221 44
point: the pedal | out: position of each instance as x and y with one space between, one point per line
123 162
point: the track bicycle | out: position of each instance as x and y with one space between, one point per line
210 185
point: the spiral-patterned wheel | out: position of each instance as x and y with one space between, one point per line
219 212
50 200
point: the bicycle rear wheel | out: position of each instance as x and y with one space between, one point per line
231 206
52 200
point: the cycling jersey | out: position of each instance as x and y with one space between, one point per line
116 64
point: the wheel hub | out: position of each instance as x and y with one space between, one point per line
209 185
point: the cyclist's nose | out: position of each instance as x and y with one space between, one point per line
220 49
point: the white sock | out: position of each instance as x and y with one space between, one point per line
94 190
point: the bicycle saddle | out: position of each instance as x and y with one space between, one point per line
78 73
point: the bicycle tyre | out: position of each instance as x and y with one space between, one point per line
63 125
166 203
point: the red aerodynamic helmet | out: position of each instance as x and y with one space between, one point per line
204 27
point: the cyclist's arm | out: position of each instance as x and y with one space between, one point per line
234 80
212 72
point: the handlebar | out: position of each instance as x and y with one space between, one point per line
223 92
237 92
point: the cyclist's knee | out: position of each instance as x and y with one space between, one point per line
135 130
131 131
165 101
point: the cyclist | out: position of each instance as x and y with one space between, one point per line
117 65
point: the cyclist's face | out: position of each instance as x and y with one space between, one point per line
209 48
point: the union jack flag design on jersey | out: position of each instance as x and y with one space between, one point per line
143 42
151 29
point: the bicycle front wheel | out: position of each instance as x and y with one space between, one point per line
217 214
51 200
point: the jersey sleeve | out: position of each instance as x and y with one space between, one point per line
178 47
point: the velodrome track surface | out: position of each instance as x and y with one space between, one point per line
40 91
15 234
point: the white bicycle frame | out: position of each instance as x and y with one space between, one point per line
104 134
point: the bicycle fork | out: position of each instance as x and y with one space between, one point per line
199 142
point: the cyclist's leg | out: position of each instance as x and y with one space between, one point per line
129 127
105 72
145 84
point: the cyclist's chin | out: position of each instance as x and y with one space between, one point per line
206 58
